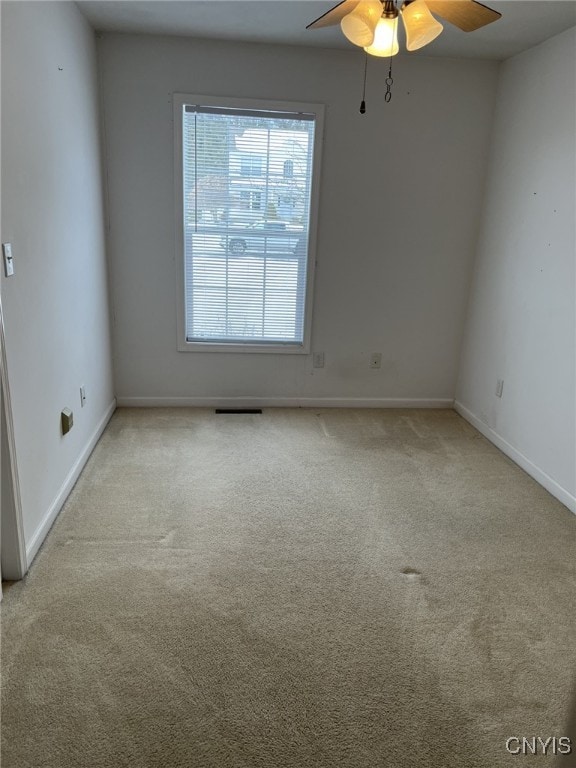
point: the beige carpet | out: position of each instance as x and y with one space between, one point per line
297 589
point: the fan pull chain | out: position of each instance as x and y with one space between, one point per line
389 79
363 102
389 82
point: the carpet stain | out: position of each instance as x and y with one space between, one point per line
411 573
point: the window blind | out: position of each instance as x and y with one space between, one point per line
246 191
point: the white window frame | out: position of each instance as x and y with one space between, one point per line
262 347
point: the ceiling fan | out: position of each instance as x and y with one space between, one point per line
373 24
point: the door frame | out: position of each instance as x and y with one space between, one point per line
13 559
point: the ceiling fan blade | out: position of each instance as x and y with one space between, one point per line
467 15
334 15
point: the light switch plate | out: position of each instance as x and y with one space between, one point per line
8 260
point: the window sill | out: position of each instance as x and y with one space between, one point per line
243 348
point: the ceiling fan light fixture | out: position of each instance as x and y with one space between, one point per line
359 26
385 38
373 25
421 27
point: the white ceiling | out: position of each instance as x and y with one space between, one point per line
524 23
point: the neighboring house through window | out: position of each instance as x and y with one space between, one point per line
247 186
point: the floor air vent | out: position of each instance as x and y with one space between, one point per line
238 410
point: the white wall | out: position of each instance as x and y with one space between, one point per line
521 321
55 306
400 194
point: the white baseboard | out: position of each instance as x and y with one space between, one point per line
35 542
284 402
523 461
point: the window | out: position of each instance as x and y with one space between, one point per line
246 192
251 165
252 200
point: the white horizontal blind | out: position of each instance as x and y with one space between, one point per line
247 183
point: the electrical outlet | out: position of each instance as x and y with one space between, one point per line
499 387
66 420
375 360
82 396
318 360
